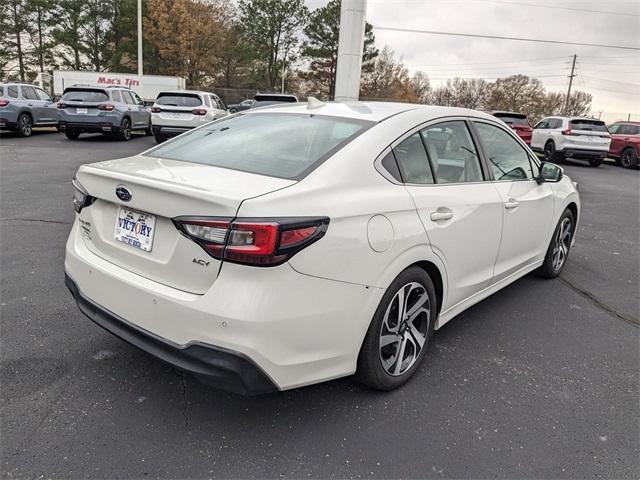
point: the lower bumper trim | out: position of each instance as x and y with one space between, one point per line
215 366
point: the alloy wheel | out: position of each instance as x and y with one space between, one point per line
562 243
404 328
25 125
627 158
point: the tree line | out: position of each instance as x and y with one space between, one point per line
248 44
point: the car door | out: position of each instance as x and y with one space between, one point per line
527 207
537 136
616 139
48 110
221 109
143 111
33 102
461 213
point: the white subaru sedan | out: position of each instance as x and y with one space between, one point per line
290 245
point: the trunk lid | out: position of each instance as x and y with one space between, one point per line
163 189
587 132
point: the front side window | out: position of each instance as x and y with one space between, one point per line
555 123
507 158
128 98
542 124
136 99
42 95
284 145
29 93
614 128
412 160
452 153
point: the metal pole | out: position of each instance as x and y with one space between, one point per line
140 37
350 44
573 68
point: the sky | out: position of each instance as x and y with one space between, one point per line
611 75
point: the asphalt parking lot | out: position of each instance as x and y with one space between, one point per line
540 380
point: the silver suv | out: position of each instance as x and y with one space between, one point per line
24 106
115 111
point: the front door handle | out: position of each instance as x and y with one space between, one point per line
438 216
511 204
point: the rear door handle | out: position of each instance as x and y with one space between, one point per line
511 204
438 216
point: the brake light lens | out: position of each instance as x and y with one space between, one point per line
199 111
4 103
263 242
81 197
62 105
156 109
105 107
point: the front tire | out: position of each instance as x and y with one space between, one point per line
399 334
149 130
595 162
25 125
629 158
159 137
559 247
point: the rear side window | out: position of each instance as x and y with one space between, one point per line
88 95
508 160
116 96
179 100
591 125
413 161
29 93
513 119
127 97
283 145
629 130
542 125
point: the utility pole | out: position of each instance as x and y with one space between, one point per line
573 74
140 37
350 44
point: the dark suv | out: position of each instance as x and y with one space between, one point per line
115 111
24 106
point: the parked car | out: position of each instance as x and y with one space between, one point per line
625 143
519 122
24 106
243 105
571 137
115 111
174 112
287 246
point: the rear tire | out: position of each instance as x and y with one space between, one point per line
559 247
629 158
148 131
72 133
159 137
595 162
399 333
25 125
125 130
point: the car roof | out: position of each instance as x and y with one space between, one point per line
371 111
201 92
625 122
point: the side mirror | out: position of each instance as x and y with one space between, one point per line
549 172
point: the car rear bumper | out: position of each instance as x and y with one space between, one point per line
89 127
169 131
223 368
583 153
297 329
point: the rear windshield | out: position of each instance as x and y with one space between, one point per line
265 97
283 145
85 95
593 125
179 100
513 119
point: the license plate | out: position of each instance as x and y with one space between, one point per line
177 115
135 228
81 110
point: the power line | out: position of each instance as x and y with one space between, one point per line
612 81
606 12
496 63
498 37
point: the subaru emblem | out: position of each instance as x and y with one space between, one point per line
123 193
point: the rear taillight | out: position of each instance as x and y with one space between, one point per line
567 132
107 107
62 105
156 109
199 111
81 197
263 242
4 103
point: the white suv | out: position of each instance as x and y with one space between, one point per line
571 137
175 112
